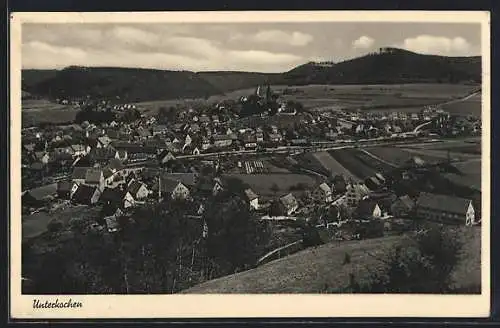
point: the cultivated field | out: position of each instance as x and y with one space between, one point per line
330 164
316 269
263 184
471 174
471 106
359 163
408 97
36 111
440 154
398 156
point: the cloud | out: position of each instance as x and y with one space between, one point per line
437 45
188 56
364 42
296 39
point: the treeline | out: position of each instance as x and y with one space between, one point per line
159 250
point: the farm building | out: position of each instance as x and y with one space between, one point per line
323 193
403 206
355 193
446 209
367 209
289 203
252 198
87 195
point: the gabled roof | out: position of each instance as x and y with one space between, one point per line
80 173
443 203
288 200
93 175
84 193
325 187
251 195
112 195
115 164
168 185
64 186
134 187
365 208
107 173
406 201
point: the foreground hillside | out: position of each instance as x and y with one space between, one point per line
316 269
137 85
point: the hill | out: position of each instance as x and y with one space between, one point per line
314 269
390 66
123 84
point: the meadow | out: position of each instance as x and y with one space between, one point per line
315 269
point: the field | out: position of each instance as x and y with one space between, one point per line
441 154
263 184
313 269
471 106
36 111
398 156
407 97
330 164
471 174
360 164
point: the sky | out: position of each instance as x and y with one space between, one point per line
256 47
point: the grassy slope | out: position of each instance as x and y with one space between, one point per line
309 271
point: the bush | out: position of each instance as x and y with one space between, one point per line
424 265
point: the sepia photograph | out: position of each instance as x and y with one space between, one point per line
236 155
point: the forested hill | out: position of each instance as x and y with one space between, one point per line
391 66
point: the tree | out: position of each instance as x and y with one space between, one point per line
422 265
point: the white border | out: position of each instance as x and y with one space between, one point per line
206 306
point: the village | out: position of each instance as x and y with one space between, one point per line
121 165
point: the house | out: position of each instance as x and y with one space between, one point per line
403 206
196 151
80 150
174 188
275 137
143 133
446 209
66 189
222 141
159 130
367 208
289 203
87 195
218 186
323 193
108 176
252 198
117 197
79 174
42 156
205 143
102 154
103 142
204 119
121 154
355 193
94 177
138 190
166 156
250 141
